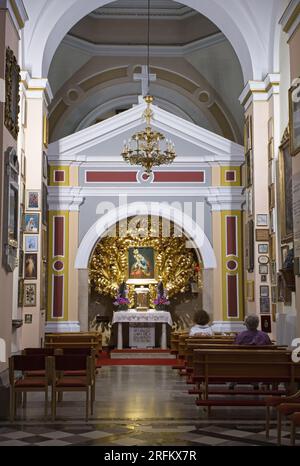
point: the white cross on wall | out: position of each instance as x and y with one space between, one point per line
144 78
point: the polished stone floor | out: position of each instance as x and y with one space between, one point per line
138 405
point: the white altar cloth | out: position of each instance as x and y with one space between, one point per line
150 316
142 316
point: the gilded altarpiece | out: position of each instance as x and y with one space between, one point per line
176 264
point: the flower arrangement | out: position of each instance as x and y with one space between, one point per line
121 302
161 301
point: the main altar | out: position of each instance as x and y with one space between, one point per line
142 319
143 270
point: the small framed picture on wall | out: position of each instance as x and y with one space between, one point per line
265 323
263 248
31 243
262 220
29 295
33 200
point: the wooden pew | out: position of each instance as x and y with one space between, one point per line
217 340
193 345
74 340
219 366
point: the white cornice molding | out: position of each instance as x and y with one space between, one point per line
17 12
260 91
128 11
139 50
220 198
36 87
216 147
290 19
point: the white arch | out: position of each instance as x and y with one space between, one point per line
54 19
188 225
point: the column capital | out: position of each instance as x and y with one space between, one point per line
36 88
260 91
67 199
226 199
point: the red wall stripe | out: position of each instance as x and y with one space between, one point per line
58 296
159 177
231 236
111 177
232 296
59 223
179 177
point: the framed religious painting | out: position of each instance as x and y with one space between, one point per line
31 223
31 243
265 323
263 248
31 264
264 304
294 107
262 220
141 265
33 200
12 95
29 295
286 191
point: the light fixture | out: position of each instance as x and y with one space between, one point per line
145 147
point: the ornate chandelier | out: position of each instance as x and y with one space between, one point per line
145 147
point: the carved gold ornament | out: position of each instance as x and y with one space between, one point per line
12 95
175 263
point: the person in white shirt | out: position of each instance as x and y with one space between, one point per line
201 327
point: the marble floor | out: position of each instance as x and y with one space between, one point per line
135 406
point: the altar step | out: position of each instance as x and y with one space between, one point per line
141 354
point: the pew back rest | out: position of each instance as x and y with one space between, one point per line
236 364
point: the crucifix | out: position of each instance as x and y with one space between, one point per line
143 76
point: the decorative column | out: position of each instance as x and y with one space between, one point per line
260 100
36 97
227 220
64 202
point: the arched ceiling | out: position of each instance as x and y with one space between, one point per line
224 44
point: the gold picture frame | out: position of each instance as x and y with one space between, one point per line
141 265
261 234
12 94
294 123
286 189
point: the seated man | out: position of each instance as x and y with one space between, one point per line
252 336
